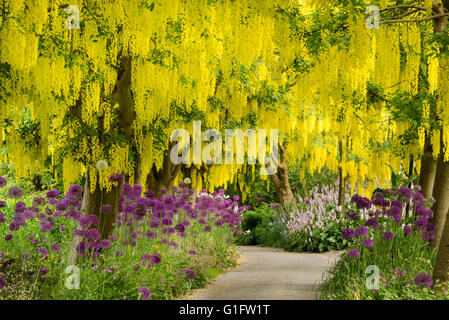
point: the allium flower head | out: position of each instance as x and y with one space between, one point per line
423 280
55 247
2 182
372 222
368 242
354 253
348 233
145 293
15 192
75 190
361 231
52 194
388 235
407 230
404 192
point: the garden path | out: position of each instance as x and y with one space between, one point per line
270 274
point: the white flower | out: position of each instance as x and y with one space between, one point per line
101 164
187 180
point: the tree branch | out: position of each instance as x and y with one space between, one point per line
404 6
415 20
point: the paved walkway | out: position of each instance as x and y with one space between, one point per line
269 274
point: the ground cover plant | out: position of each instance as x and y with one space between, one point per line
160 247
312 224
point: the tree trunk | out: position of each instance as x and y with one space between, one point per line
93 202
441 195
164 177
441 188
280 179
428 170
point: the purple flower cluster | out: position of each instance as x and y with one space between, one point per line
423 280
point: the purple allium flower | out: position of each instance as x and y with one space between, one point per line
92 234
368 242
423 280
186 223
147 260
146 294
105 244
75 190
157 257
116 177
8 237
42 251
93 219
421 211
2 282
363 203
2 218
25 256
2 204
62 205
43 271
38 201
190 274
428 232
167 222
387 236
372 222
52 194
404 192
85 222
20 207
55 247
118 253
361 231
407 230
354 198
192 252
352 215
354 253
151 235
2 182
15 192
420 223
81 248
396 203
418 197
207 228
180 227
348 233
